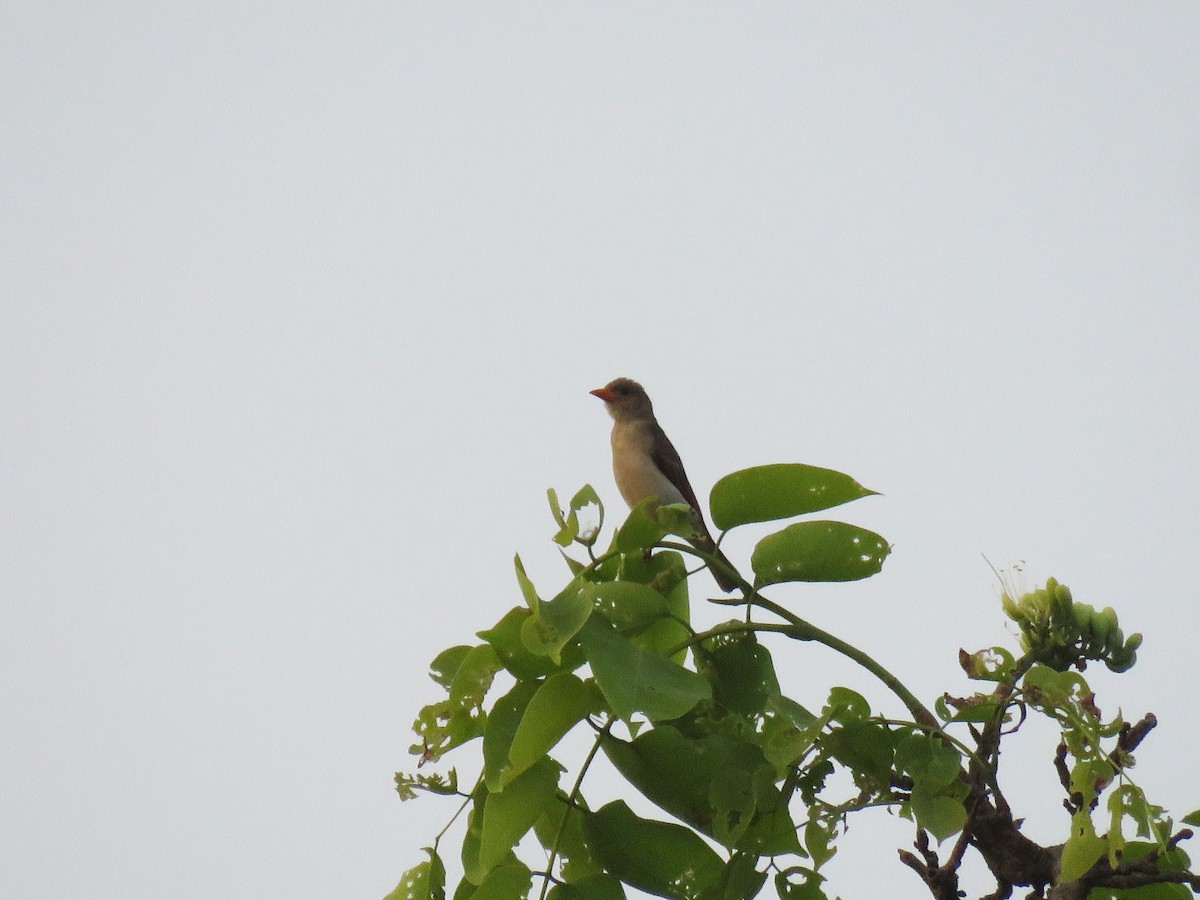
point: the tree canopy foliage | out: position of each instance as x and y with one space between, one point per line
696 721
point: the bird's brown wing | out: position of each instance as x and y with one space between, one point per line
666 457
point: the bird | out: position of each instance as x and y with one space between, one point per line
646 463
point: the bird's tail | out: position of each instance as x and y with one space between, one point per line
722 568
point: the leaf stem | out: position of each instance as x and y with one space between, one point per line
467 798
571 799
806 631
810 632
730 628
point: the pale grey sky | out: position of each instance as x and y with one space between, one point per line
300 308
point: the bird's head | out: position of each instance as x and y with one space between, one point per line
625 399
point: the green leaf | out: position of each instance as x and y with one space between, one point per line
990 664
672 771
928 759
528 591
628 604
566 835
1117 809
940 815
433 783
507 815
641 529
721 786
458 719
661 636
1174 860
634 679
446 663
662 571
772 831
501 727
658 857
1192 818
1090 776
560 702
601 886
741 881
505 883
744 780
586 496
976 708
1047 688
865 748
1082 849
741 672
474 677
819 836
653 624
1161 891
505 638
808 889
568 524
818 551
678 607
789 709
845 706
425 881
780 491
556 621
788 731
679 519
576 567
473 871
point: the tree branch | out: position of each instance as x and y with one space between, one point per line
942 880
806 631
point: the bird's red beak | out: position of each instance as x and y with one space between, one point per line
604 394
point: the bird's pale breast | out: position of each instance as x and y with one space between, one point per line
634 470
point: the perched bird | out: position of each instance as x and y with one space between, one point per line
646 464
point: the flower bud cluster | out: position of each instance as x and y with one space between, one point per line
1061 633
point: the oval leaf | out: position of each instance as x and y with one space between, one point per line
509 814
561 828
635 679
505 883
672 771
426 881
628 604
558 704
502 724
641 528
658 857
555 622
865 747
742 674
595 887
741 880
928 760
780 491
505 638
818 551
940 815
1082 849
528 591
447 663
651 620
